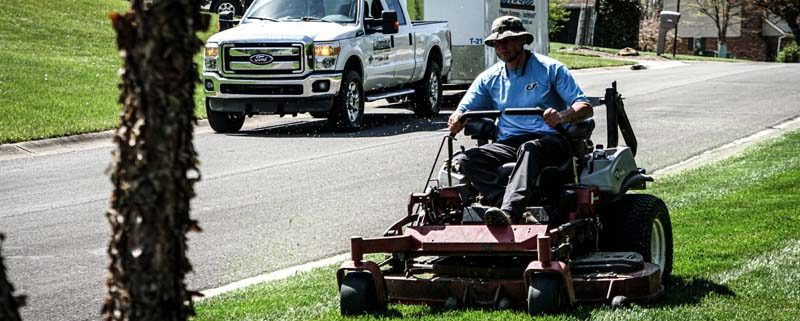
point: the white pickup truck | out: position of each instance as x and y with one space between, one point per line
324 57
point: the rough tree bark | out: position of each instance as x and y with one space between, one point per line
155 164
9 304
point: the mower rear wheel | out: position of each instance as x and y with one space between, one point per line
547 294
357 295
645 227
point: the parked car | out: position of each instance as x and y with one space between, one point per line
324 57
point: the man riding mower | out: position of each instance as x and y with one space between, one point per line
566 231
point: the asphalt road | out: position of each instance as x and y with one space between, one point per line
291 191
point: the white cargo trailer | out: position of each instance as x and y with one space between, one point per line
470 22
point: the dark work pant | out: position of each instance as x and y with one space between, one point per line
531 153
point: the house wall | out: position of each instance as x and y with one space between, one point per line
749 45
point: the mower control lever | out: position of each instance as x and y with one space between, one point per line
479 114
535 111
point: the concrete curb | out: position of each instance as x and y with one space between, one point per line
93 140
273 276
730 149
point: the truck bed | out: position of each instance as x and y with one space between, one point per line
425 22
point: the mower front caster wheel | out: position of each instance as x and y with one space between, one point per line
357 295
547 294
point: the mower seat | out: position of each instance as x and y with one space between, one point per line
578 134
483 130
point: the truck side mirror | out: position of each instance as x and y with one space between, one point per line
226 20
390 23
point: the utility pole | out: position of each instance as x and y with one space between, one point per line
675 39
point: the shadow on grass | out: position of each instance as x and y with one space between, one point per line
681 291
691 291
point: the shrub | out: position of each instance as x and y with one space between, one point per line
558 15
790 53
618 24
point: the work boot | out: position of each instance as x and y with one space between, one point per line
496 217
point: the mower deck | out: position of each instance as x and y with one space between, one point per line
477 265
436 289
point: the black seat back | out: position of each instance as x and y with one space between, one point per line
482 129
581 130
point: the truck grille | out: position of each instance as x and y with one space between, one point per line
262 89
263 59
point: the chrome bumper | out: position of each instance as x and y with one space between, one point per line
216 81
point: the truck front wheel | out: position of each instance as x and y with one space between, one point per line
222 122
428 97
348 109
227 5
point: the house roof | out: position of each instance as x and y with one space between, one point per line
774 26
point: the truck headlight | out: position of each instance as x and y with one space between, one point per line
325 55
210 56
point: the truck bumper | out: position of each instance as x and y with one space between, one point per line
281 106
313 93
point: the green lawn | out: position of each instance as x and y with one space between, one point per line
555 46
737 255
582 61
58 68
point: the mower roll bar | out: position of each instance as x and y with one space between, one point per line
618 119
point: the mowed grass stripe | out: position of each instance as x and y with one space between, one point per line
737 255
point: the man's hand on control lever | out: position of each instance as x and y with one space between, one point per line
577 112
552 117
455 123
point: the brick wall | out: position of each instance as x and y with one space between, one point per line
750 45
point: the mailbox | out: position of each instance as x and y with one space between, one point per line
669 20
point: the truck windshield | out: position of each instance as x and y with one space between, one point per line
340 11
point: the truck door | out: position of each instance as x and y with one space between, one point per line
403 43
379 61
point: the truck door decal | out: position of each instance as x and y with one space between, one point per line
382 44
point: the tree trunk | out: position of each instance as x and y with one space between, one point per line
155 165
722 40
9 304
795 27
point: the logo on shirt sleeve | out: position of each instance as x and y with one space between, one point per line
531 86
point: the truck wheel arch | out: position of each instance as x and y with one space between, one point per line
435 55
354 63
